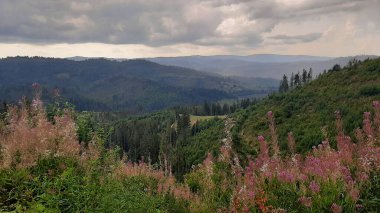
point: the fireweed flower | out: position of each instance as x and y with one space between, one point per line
270 114
367 126
306 201
260 138
314 187
376 104
335 208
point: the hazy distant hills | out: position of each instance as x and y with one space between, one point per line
263 65
144 85
253 66
135 85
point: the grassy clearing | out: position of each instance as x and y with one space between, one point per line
195 118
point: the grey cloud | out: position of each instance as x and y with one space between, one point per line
159 22
286 39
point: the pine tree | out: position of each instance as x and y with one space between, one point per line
206 108
304 76
310 75
284 87
226 109
292 81
297 80
336 67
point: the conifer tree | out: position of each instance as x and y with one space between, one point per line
304 76
284 86
297 80
292 81
310 75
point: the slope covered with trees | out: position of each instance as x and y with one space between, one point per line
100 84
308 109
45 168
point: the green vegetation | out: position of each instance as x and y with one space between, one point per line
197 118
54 159
308 111
135 86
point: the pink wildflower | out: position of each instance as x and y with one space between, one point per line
264 150
314 187
306 201
376 104
270 114
36 86
354 194
335 208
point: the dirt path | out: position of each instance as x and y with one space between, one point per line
229 123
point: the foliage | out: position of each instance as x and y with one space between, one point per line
325 179
135 86
307 111
51 172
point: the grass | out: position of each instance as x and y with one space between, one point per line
195 118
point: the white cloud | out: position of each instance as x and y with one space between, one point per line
229 26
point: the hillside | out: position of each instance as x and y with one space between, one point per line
133 85
307 110
264 65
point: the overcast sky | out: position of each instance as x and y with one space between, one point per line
148 28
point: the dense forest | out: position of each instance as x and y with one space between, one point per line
311 147
136 86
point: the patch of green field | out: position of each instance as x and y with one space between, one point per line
195 118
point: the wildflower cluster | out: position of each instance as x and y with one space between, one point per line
29 135
325 179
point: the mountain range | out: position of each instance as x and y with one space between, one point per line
251 66
134 85
262 65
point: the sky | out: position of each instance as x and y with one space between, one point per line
153 28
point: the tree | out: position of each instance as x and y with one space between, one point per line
304 76
226 109
297 80
284 86
206 108
310 75
336 67
292 81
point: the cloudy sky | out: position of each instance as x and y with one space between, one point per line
148 28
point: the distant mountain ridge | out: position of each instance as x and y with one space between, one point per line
135 85
251 66
262 58
263 65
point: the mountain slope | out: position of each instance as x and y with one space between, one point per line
100 84
307 110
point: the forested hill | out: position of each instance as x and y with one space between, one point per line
309 109
100 84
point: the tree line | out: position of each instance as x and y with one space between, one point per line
216 108
296 80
